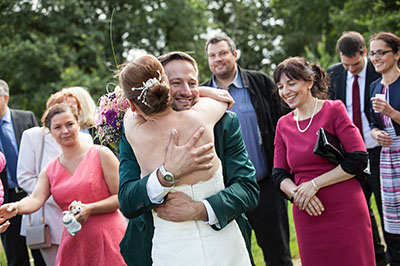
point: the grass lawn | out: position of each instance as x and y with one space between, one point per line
257 253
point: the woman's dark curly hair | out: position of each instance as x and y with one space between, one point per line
298 68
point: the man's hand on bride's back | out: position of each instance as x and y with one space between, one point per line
179 207
187 158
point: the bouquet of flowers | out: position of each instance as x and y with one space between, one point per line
110 115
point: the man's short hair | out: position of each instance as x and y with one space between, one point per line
177 55
4 90
350 43
219 38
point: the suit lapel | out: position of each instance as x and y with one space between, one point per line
341 89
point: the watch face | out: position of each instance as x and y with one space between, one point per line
169 178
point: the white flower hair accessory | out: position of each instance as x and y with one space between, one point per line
146 85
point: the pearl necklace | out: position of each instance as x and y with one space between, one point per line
312 116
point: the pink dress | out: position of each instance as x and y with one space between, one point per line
342 234
2 165
98 241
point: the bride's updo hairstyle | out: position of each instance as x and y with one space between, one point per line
154 97
297 68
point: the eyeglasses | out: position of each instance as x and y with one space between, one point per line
379 53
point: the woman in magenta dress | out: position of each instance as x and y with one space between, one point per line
82 172
330 213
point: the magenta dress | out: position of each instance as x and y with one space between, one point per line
98 241
342 234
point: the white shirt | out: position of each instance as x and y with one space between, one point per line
27 174
156 193
362 76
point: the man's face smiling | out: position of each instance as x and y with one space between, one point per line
183 82
221 60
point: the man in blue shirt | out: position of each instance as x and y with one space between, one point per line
12 124
258 113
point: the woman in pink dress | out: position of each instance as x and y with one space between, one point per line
330 213
2 165
82 172
4 226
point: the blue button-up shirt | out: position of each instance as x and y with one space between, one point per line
8 130
248 123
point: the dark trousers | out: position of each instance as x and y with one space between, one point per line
373 186
270 224
13 243
392 248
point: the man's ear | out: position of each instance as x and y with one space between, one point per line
6 98
365 52
132 105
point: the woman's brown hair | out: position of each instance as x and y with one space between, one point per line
58 109
298 68
135 74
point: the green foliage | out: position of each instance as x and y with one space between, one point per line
46 45
50 44
250 24
311 28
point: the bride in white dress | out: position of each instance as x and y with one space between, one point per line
148 127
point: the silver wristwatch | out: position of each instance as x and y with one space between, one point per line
168 176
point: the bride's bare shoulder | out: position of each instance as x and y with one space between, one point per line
132 120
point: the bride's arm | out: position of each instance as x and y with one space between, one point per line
109 165
211 110
217 94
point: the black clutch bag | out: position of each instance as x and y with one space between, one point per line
328 146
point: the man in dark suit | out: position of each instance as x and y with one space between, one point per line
258 113
12 124
351 80
139 196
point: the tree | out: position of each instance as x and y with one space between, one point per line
311 28
50 44
250 25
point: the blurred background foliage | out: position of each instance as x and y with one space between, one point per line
46 45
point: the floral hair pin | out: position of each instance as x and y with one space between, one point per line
146 85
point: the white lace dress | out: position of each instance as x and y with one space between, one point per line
194 242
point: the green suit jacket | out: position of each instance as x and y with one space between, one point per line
240 195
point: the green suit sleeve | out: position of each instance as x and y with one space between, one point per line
241 192
132 192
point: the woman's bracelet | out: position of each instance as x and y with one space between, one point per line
313 183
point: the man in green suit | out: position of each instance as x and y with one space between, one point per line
139 196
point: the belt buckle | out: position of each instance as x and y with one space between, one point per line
18 190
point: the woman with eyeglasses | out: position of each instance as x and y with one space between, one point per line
385 92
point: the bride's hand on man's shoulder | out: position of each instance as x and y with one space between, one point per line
217 94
